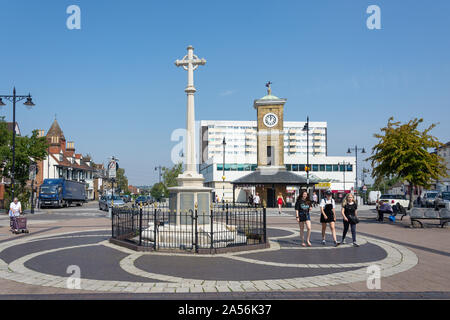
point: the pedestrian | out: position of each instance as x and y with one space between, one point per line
256 200
328 216
302 209
280 202
315 199
15 209
250 200
350 214
384 207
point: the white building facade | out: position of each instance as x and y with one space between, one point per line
336 173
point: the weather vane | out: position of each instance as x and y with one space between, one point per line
269 89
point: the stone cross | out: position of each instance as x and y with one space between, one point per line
190 62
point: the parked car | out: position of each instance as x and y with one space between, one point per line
105 202
142 200
428 198
126 198
442 200
393 199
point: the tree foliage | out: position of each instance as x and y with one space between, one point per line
158 191
403 152
169 177
121 180
28 150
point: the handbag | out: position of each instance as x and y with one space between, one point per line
353 219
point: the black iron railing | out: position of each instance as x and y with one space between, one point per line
223 226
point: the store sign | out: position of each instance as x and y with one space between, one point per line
323 185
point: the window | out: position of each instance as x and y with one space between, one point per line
289 167
295 167
329 168
301 167
350 167
270 155
322 167
342 168
315 167
335 167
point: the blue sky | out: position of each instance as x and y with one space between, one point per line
115 89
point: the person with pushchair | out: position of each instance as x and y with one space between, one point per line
15 209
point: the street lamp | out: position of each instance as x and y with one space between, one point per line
306 128
224 143
159 168
356 149
29 104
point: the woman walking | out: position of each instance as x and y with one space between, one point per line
328 216
15 209
280 202
350 214
302 208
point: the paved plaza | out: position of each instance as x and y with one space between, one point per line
414 263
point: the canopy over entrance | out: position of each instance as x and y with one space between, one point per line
271 182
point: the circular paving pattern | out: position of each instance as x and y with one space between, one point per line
44 260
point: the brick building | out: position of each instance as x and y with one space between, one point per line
63 162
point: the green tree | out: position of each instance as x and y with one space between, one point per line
28 150
121 180
169 176
158 191
402 153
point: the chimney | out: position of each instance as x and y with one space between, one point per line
70 148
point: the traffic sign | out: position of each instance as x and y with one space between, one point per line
32 172
112 169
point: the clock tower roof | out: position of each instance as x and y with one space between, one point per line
269 100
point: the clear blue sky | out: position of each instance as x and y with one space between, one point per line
115 89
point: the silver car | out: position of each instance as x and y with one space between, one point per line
106 202
442 200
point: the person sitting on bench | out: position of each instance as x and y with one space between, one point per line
383 208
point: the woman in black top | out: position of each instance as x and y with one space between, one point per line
350 214
302 207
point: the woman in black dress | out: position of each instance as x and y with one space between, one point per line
302 208
350 214
328 216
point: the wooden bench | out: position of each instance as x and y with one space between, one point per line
418 215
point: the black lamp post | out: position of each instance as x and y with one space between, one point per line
306 128
29 104
356 149
224 143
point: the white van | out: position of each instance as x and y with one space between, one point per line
373 197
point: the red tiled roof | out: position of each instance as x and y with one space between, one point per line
66 163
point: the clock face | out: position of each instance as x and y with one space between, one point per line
270 120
